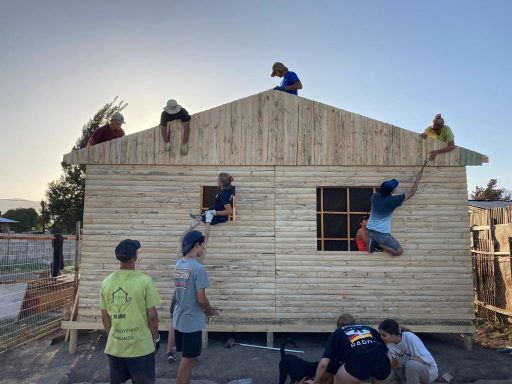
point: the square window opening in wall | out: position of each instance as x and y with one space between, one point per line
208 195
338 211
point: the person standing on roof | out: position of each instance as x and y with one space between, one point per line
290 83
109 131
439 131
174 111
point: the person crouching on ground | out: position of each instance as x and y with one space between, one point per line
384 204
128 311
191 281
360 350
412 362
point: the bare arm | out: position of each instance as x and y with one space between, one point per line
186 131
91 142
228 210
414 188
205 304
294 87
423 135
165 133
153 321
450 146
105 319
361 235
321 368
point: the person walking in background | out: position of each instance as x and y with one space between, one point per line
361 236
128 303
439 131
412 362
290 83
173 111
58 254
110 131
191 281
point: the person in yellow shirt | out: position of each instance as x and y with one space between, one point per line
439 131
128 311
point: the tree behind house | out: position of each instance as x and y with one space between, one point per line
491 192
64 199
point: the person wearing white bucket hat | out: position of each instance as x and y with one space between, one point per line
174 111
109 131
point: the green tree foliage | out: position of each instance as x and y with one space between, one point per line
64 199
26 217
491 192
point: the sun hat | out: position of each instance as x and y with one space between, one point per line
191 238
278 67
126 250
172 107
117 116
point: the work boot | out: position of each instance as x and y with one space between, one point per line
374 246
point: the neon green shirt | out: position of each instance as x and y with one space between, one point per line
445 135
127 295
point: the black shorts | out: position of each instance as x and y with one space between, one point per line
189 343
140 369
371 364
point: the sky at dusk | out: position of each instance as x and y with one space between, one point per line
396 61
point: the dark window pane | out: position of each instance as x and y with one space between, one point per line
319 245
318 226
335 245
335 226
360 199
209 194
353 245
318 202
335 199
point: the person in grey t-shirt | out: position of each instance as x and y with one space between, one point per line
384 204
191 281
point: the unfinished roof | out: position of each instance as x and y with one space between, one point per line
489 204
275 128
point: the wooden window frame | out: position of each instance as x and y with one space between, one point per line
348 212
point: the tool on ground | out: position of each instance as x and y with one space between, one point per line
231 343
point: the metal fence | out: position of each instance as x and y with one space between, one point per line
32 301
492 261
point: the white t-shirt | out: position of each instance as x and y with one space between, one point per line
413 346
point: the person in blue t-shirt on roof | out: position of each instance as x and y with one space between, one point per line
379 225
290 83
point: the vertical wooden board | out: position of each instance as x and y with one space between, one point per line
212 144
148 144
321 134
74 157
132 149
237 139
225 148
267 128
174 156
106 153
123 150
159 146
306 132
202 127
290 120
249 122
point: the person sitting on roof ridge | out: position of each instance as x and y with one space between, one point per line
290 83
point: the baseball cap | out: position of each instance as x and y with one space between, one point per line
390 184
126 250
191 238
117 116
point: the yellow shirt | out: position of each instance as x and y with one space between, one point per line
127 295
445 135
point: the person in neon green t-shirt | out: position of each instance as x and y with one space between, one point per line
439 131
128 311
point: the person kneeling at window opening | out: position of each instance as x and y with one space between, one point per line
361 236
220 210
384 204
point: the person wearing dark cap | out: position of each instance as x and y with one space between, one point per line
290 83
439 131
384 204
191 281
110 131
174 111
128 311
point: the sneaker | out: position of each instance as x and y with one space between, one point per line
374 246
171 357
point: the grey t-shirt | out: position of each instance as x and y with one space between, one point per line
189 277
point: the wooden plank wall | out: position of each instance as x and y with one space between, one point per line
274 128
266 272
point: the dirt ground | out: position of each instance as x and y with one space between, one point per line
39 362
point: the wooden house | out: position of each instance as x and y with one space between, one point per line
304 172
